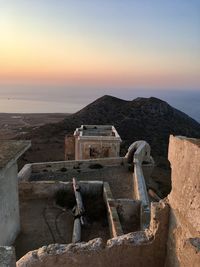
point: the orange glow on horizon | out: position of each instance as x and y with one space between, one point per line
29 53
91 78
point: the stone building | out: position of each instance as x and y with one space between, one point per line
127 226
93 141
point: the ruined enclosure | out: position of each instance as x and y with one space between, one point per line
106 170
108 192
46 210
146 242
138 233
139 249
116 171
92 173
93 141
80 212
123 225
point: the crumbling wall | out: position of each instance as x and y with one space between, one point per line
9 205
138 249
184 199
129 214
48 189
69 147
64 166
47 217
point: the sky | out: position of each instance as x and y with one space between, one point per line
129 43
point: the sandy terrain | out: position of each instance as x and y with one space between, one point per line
13 124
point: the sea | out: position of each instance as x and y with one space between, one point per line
69 99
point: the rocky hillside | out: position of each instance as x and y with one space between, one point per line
149 119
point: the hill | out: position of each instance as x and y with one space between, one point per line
150 119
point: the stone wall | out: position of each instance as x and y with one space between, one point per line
48 189
69 147
90 149
9 205
138 249
184 199
69 165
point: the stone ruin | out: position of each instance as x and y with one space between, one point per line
92 141
103 212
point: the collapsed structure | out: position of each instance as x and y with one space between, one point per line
102 211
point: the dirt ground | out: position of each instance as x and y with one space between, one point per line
44 223
13 124
38 226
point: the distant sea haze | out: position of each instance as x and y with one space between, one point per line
63 99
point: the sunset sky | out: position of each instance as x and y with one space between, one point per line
138 43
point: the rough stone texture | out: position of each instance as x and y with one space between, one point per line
184 199
113 218
69 147
34 215
44 222
111 170
78 164
96 141
129 214
7 257
138 249
48 189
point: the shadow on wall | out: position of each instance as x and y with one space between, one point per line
143 248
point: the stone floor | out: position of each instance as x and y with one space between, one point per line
43 223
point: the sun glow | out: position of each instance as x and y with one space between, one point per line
33 48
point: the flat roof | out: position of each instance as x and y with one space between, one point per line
97 131
11 150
